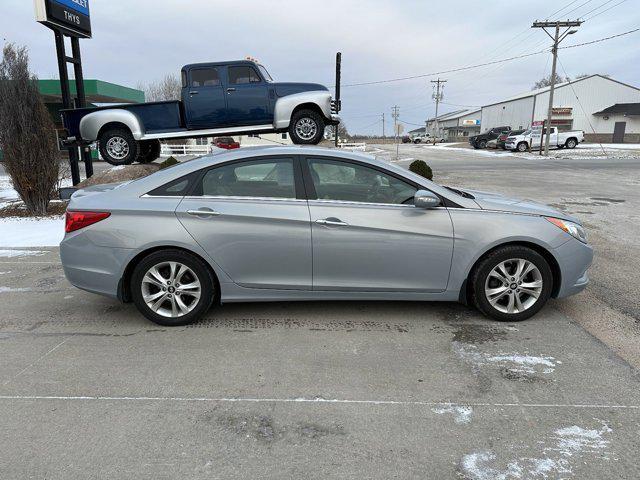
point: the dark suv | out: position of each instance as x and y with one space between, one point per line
480 141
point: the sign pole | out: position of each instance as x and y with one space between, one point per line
66 101
82 100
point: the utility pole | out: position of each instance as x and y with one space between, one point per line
557 38
395 114
437 96
383 136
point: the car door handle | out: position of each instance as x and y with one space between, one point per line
231 89
193 92
332 221
203 212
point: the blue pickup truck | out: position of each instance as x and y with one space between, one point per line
222 98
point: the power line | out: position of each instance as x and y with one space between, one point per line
600 39
470 67
443 71
597 8
606 10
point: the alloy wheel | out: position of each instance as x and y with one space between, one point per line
171 289
513 286
118 148
306 128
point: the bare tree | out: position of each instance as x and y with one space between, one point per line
27 132
546 81
168 88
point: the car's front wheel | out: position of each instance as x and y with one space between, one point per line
522 147
482 144
172 287
306 128
511 283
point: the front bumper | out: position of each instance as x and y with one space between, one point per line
574 259
334 120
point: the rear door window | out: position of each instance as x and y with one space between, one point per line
205 77
267 178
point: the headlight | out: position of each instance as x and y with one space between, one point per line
573 229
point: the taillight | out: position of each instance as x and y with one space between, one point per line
77 220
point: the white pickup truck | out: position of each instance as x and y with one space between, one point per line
530 139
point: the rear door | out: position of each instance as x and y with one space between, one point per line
247 97
251 217
368 236
204 99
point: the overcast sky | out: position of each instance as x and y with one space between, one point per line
142 40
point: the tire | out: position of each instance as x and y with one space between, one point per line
306 128
192 269
118 147
522 147
512 297
482 144
149 151
571 143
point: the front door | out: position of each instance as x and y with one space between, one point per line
253 221
247 97
204 99
368 236
618 132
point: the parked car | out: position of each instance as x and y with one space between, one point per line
481 140
406 139
295 223
493 143
228 143
421 138
531 139
224 98
502 138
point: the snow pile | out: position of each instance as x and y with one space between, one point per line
569 443
31 232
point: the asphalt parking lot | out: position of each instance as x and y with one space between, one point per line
90 389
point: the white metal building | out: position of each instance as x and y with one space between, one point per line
576 106
460 125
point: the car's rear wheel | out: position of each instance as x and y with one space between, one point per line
149 151
306 128
172 287
118 147
571 143
511 283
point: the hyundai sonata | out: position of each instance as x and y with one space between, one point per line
299 223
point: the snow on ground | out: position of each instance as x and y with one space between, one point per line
20 253
461 414
7 193
31 232
566 446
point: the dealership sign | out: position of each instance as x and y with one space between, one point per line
71 16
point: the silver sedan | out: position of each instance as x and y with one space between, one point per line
298 223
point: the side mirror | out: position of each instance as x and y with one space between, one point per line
425 199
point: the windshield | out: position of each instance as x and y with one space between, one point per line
265 74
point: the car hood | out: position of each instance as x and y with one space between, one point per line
289 88
502 203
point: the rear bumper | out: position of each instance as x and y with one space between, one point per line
91 267
574 259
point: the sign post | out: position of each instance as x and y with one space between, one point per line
70 18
